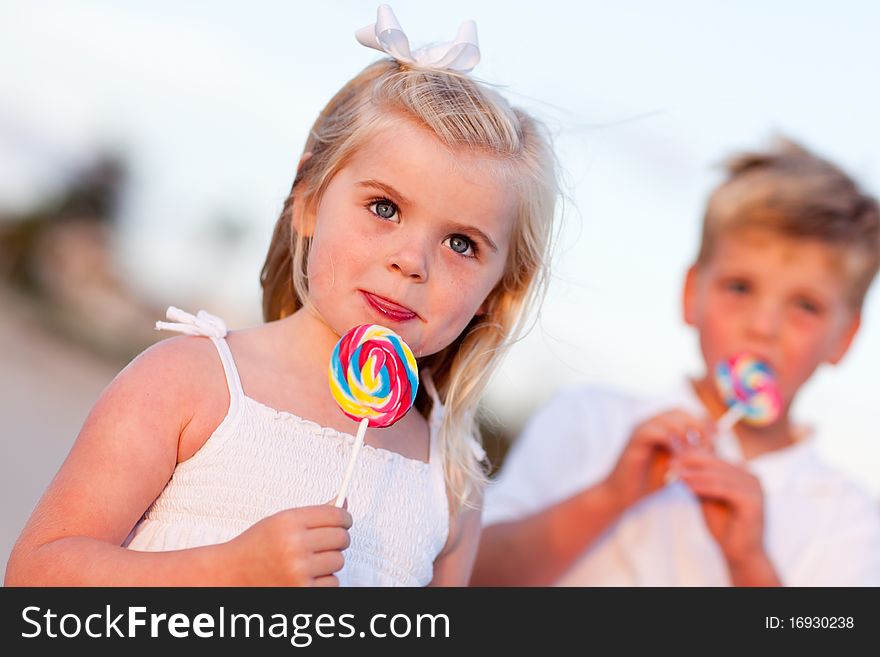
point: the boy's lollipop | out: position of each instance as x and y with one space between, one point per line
374 378
749 388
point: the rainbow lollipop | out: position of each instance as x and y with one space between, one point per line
374 378
749 388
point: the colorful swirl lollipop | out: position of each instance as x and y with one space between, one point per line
373 375
374 378
749 388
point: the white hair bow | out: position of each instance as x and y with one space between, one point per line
386 35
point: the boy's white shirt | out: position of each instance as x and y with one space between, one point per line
820 528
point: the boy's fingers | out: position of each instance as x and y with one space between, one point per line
709 435
732 492
710 427
707 459
698 466
704 485
693 437
698 460
656 435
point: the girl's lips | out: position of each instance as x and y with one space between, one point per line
387 308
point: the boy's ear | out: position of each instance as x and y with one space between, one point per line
846 338
303 216
689 296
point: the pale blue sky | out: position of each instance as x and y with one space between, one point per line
211 101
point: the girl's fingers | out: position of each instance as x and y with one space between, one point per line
326 563
323 515
329 538
326 580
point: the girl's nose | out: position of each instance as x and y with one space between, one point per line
410 260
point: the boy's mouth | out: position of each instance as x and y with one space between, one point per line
388 308
758 355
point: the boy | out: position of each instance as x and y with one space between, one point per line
603 489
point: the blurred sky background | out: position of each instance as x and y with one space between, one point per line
209 104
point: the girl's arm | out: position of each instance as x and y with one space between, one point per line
159 410
121 460
454 564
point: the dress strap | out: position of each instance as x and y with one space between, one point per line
210 326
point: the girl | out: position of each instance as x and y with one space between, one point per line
422 202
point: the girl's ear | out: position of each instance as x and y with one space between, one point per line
303 217
487 304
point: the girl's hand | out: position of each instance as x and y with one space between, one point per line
732 502
644 464
295 547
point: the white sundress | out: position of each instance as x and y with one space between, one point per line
260 461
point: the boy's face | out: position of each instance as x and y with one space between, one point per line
779 298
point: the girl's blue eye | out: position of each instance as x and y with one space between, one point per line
461 244
384 209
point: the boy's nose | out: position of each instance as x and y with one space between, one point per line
764 320
410 260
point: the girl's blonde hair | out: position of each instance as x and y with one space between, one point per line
462 114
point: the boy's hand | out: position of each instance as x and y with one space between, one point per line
643 466
295 547
732 502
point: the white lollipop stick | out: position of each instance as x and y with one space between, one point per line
727 444
723 443
725 423
346 480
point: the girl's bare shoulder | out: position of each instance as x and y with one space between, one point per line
182 378
184 364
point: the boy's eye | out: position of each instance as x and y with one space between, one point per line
461 244
739 287
383 208
808 306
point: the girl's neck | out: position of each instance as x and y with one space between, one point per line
310 336
753 441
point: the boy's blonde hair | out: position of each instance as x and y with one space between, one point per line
790 191
462 114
